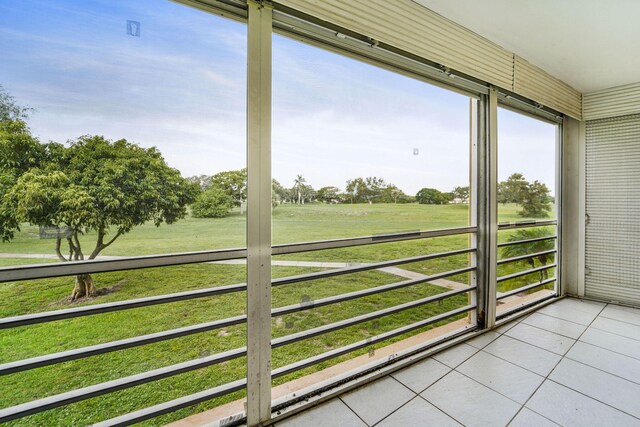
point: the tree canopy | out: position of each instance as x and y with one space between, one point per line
98 185
10 110
461 193
535 201
212 203
92 184
431 196
511 190
533 197
328 194
234 183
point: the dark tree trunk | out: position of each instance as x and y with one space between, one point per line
84 286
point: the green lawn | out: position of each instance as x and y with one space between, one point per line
291 223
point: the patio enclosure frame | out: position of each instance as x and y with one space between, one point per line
262 19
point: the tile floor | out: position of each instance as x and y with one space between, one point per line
572 363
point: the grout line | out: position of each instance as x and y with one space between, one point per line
605 348
351 409
594 399
403 385
424 389
436 406
454 347
546 378
536 346
401 406
522 367
485 386
392 412
602 370
626 308
537 413
611 332
621 321
586 301
566 320
557 333
487 344
559 318
447 415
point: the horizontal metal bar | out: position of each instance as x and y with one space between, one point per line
30 319
183 402
520 242
525 288
42 271
525 224
521 105
62 399
365 267
65 356
310 333
297 366
293 248
521 257
24 365
524 273
364 292
173 405
78 395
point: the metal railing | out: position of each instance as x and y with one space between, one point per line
554 252
53 270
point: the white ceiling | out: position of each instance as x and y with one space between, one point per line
589 44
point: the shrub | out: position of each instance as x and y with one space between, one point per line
212 203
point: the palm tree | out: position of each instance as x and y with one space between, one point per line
298 187
530 247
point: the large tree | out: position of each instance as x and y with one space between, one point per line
431 196
234 183
299 184
461 193
512 190
535 201
93 185
366 190
392 194
328 194
279 194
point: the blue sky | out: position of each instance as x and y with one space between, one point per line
181 87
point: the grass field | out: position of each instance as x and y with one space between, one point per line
291 223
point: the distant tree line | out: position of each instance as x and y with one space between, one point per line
221 192
225 190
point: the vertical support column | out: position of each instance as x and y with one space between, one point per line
559 244
582 208
259 214
572 215
474 139
487 161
